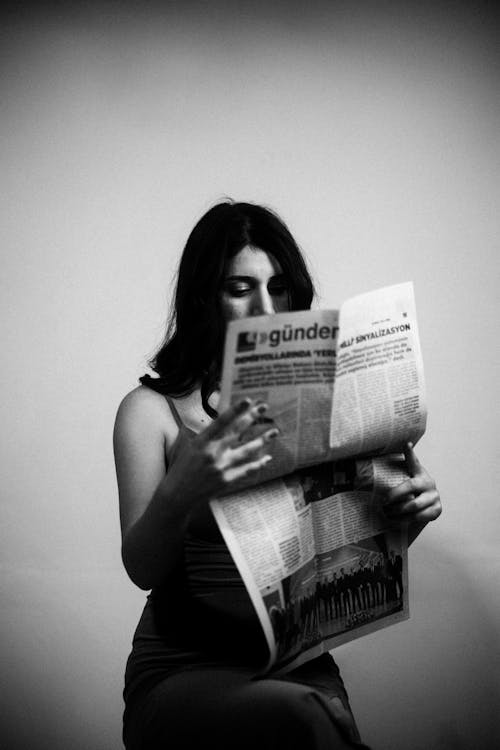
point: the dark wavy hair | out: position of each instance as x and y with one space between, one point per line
191 351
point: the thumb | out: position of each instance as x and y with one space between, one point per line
412 462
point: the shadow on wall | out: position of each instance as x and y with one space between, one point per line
465 685
431 682
65 637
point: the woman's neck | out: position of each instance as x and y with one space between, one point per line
191 410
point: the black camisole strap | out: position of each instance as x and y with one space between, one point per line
175 413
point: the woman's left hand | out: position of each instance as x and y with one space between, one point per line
415 500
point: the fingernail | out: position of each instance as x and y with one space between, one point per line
244 404
266 459
273 434
261 408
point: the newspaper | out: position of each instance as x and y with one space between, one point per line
338 383
321 563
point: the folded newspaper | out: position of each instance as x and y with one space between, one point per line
321 562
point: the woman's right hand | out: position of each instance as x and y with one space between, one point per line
218 457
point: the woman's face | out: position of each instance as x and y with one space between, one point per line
254 285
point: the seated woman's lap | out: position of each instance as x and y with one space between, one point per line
227 708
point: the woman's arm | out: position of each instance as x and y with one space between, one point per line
415 500
151 529
156 504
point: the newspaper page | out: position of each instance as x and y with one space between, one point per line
288 361
379 396
320 561
337 385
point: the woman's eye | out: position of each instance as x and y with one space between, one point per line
276 290
238 290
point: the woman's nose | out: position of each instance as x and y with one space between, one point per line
262 303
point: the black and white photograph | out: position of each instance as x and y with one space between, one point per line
249 312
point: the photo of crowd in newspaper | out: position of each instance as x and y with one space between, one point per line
351 592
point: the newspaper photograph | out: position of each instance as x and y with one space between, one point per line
321 563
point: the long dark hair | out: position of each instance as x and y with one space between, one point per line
191 351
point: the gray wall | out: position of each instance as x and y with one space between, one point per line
374 132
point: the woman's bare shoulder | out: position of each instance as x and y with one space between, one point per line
143 410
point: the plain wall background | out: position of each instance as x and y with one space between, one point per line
372 128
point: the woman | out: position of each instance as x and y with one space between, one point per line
191 677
